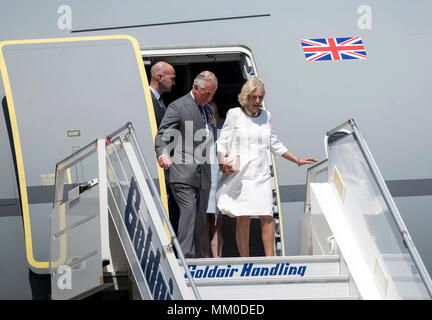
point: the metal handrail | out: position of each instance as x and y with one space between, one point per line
392 207
128 126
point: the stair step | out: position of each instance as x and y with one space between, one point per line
326 298
270 280
275 288
304 258
287 277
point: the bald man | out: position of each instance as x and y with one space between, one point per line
162 80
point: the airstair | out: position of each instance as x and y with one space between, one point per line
113 233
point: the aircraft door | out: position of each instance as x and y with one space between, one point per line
61 94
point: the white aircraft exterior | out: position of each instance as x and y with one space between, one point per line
385 89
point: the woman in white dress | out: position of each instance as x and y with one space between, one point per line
247 192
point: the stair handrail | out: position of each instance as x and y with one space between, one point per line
128 126
392 207
311 175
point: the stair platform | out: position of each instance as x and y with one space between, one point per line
287 277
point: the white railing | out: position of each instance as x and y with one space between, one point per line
371 214
82 247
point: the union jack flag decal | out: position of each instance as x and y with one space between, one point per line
333 49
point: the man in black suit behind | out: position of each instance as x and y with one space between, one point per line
162 80
162 77
190 120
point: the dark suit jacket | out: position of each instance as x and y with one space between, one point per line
190 162
159 113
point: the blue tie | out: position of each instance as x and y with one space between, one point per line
162 104
203 113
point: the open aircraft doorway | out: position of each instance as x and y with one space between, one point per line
233 66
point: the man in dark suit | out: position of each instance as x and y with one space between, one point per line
190 120
162 80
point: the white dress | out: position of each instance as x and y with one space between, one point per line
215 176
248 192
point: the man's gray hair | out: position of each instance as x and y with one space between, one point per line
205 77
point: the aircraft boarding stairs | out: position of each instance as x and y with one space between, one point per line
354 244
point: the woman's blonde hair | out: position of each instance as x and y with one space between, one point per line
251 86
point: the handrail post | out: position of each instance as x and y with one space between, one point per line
311 174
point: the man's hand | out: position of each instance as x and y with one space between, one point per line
226 169
164 162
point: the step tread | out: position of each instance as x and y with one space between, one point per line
269 280
323 298
274 259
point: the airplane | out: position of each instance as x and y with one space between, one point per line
59 107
